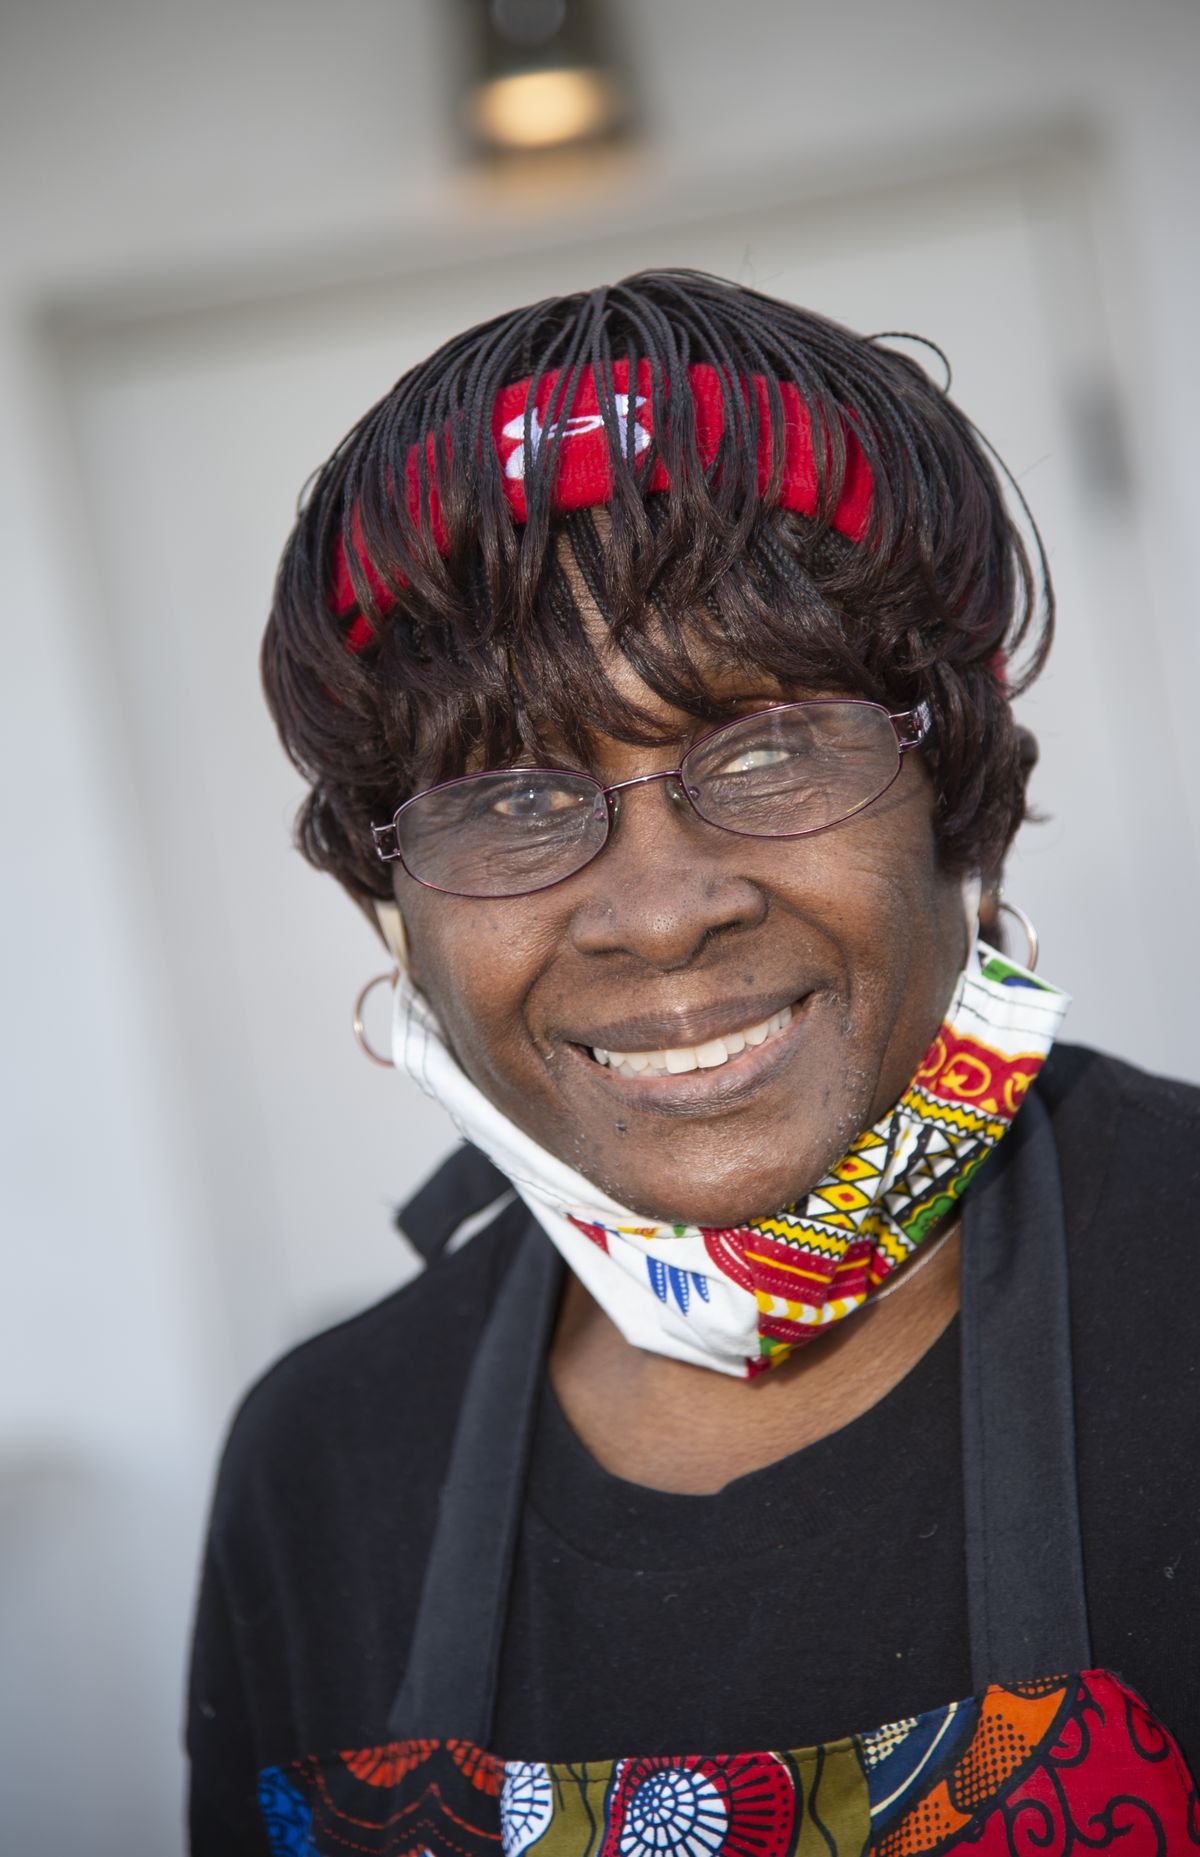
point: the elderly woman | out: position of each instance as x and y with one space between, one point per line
798 1346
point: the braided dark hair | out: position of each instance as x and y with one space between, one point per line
480 649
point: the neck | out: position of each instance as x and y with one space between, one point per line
678 1428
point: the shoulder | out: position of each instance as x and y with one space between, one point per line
1122 1131
1129 1160
326 1500
1077 1072
383 1388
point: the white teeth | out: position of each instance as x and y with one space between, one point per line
708 1056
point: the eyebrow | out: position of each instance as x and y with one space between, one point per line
560 755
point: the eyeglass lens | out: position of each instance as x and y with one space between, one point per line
775 774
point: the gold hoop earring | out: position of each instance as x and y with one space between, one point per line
360 1030
1031 935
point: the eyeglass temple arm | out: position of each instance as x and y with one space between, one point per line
386 844
912 726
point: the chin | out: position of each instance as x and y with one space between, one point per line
699 1161
720 1200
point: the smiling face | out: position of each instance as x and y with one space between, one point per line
677 945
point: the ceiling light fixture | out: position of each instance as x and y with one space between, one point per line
546 76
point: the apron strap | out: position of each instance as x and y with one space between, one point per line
449 1685
1027 1607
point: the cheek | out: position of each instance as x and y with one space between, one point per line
898 928
911 974
476 962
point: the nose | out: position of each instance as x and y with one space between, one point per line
666 882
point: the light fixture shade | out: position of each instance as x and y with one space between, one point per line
545 76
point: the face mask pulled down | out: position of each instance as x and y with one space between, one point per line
742 1299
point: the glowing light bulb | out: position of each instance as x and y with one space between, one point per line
543 109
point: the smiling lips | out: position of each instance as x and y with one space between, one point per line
707 1056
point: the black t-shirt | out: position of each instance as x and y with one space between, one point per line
814 1597
819 1595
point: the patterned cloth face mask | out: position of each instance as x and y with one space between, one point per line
742 1299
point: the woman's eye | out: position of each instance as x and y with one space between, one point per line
532 803
750 760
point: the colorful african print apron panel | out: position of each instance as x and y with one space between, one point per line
1057 1768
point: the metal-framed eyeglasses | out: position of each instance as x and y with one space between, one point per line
784 772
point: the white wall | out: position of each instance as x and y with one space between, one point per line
155 159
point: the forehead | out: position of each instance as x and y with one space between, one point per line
724 683
723 676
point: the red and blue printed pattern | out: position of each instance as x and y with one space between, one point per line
1059 1767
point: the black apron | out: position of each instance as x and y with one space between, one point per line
1048 1755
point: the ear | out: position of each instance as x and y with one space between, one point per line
391 926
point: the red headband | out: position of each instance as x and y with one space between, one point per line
583 473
